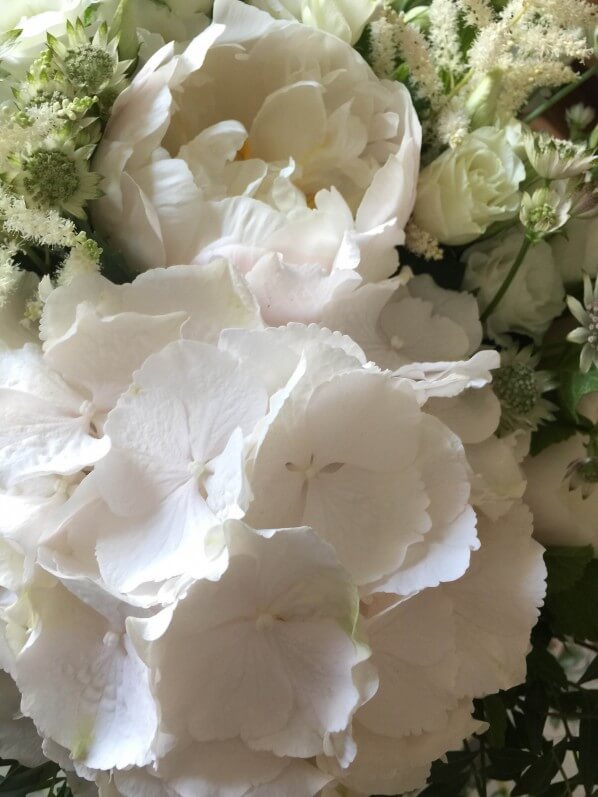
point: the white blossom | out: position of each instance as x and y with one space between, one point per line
306 184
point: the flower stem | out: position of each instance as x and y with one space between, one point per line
560 94
508 280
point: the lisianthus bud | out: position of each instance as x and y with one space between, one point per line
579 116
482 102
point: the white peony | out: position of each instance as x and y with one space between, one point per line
536 295
303 172
466 189
562 515
343 18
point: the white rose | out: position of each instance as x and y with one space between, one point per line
465 190
343 18
535 296
302 172
576 251
562 516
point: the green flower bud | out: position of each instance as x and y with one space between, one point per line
482 102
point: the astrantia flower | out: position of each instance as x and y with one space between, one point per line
556 158
543 212
587 315
519 387
91 67
304 174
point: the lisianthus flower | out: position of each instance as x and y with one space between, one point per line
536 295
564 507
303 173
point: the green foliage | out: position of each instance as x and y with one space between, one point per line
20 781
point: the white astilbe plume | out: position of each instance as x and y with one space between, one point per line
453 123
415 52
9 273
444 36
525 78
526 46
41 227
477 13
384 44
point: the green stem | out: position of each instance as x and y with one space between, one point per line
508 280
560 94
480 785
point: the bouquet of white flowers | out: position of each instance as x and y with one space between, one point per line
298 399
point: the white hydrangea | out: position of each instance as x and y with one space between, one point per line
248 561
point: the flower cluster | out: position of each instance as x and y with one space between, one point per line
284 347
266 582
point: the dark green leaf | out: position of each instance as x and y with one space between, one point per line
574 610
565 566
22 780
591 673
542 665
452 788
533 717
508 763
448 772
588 747
539 776
496 714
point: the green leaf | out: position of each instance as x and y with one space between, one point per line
8 40
591 673
508 763
574 610
539 776
542 666
496 714
574 385
588 748
90 14
565 566
123 26
22 781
